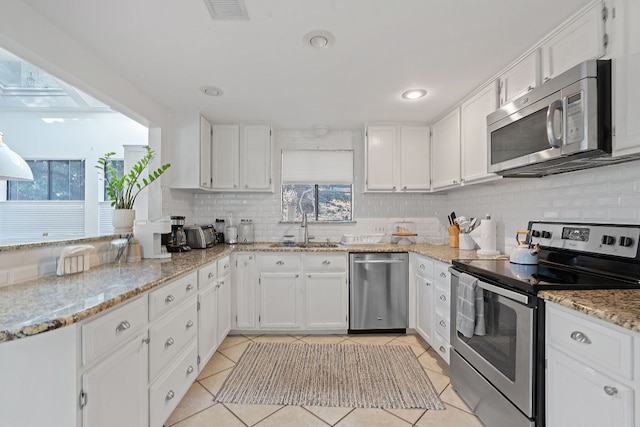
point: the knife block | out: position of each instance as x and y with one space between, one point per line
454 236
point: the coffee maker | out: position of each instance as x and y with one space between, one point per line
176 241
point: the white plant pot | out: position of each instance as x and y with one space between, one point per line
122 221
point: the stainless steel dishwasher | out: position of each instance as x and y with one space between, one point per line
378 292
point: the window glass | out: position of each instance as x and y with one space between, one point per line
329 202
52 180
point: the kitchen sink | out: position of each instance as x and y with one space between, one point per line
303 245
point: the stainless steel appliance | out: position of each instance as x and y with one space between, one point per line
200 236
560 126
499 370
176 241
378 294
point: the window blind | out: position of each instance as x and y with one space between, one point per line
317 167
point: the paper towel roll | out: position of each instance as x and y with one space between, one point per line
488 237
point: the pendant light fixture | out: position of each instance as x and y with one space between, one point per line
12 166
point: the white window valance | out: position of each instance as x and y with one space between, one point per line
317 166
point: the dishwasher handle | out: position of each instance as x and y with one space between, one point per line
380 261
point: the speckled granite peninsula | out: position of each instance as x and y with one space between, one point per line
620 306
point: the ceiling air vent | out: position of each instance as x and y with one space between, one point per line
227 9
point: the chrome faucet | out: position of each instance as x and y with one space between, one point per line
305 224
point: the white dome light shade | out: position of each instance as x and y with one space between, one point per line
318 39
211 91
12 166
414 93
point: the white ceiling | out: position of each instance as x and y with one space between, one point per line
170 48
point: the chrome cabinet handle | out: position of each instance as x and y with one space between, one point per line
309 276
443 298
280 263
169 342
189 324
221 283
226 266
169 299
443 324
611 391
580 337
394 188
422 267
189 287
146 340
297 275
443 275
123 326
442 349
169 395
189 369
326 262
210 275
246 186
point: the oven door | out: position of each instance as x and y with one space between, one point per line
504 354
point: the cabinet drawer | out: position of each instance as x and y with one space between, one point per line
279 263
441 273
207 275
442 322
168 390
441 346
329 263
169 335
424 267
442 296
171 295
589 341
224 266
113 329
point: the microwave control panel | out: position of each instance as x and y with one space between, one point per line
575 118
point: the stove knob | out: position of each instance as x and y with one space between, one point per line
535 233
626 241
546 235
608 240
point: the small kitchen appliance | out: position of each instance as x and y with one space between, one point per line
200 236
498 369
176 241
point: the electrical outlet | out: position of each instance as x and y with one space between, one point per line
380 230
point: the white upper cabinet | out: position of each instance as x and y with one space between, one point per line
397 158
520 78
445 149
191 133
473 134
241 157
582 39
624 18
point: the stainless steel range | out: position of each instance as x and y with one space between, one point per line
497 366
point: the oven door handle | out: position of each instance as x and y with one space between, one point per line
521 298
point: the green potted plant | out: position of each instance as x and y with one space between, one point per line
123 190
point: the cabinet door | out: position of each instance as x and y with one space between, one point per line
225 157
626 84
473 134
425 308
580 396
445 145
207 324
582 39
520 78
255 155
244 285
205 153
415 172
326 296
280 301
224 306
116 389
380 158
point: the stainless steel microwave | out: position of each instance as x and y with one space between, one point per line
561 126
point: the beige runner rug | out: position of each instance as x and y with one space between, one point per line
344 375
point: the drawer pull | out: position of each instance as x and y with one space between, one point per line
226 266
169 342
422 267
170 395
611 391
443 298
580 337
169 299
189 370
189 287
189 324
280 263
443 324
443 275
210 275
146 340
442 349
325 262
123 326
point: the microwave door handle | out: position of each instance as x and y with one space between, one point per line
551 135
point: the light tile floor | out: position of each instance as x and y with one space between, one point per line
197 408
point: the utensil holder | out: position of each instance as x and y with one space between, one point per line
454 236
466 242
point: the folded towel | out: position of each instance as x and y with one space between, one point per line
465 305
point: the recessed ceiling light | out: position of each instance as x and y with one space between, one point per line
211 91
318 39
414 94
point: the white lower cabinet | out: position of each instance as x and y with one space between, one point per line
224 306
280 301
245 281
207 324
424 312
590 371
326 296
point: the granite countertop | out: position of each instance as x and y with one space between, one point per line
52 302
620 307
